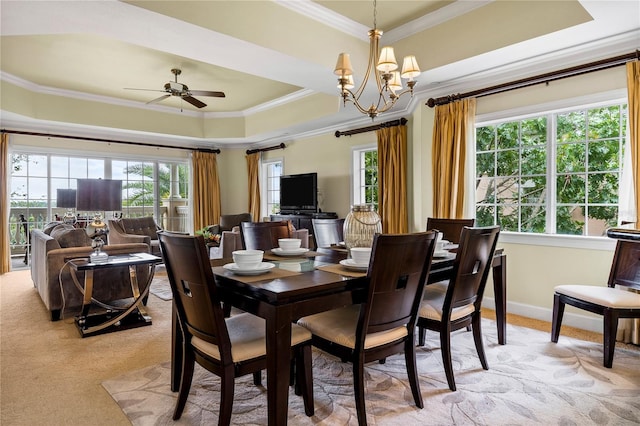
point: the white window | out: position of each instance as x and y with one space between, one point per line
365 175
271 172
556 172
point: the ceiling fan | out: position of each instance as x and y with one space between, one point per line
173 88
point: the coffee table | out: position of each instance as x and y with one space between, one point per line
113 317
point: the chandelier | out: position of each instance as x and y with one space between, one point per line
382 65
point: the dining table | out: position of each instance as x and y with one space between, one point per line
311 282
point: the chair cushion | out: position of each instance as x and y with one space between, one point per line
603 296
339 326
246 333
70 237
433 300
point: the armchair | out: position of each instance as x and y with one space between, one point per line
135 230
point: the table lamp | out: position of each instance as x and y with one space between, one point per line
98 195
67 198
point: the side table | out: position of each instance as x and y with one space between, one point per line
115 318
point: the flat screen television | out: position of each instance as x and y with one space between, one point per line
299 193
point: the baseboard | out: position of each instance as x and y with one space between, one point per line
570 319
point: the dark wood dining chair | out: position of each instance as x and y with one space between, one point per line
456 304
264 235
328 232
610 302
450 228
228 347
384 324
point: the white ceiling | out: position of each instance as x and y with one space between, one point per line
265 54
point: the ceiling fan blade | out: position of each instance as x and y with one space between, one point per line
147 90
207 93
195 102
156 100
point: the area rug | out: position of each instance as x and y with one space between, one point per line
160 285
530 381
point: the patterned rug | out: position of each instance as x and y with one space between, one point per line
530 381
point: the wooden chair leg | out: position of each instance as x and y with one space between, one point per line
477 339
412 372
358 390
257 378
445 348
304 378
227 384
186 377
556 322
609 336
421 335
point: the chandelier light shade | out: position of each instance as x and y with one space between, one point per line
382 67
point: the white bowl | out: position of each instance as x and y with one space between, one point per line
361 255
289 244
248 259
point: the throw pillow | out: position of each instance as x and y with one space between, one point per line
50 227
71 237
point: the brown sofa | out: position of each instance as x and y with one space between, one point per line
135 230
49 256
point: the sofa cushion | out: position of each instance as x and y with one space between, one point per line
70 237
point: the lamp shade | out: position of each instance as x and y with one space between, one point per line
66 198
387 61
395 83
410 67
343 65
99 195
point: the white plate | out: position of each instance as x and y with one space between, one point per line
279 252
442 254
350 264
263 268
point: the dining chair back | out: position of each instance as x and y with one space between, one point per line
328 232
384 323
450 228
449 306
264 235
228 347
619 299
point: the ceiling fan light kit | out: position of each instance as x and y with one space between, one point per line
173 88
382 65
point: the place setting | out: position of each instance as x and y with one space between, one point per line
444 248
354 266
248 262
289 247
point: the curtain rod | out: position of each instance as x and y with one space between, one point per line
543 78
271 148
398 122
53 135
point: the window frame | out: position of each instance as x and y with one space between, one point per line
554 107
356 175
264 187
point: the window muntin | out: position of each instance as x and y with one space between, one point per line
547 173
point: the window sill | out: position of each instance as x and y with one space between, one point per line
555 240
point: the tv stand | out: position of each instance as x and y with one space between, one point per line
302 220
